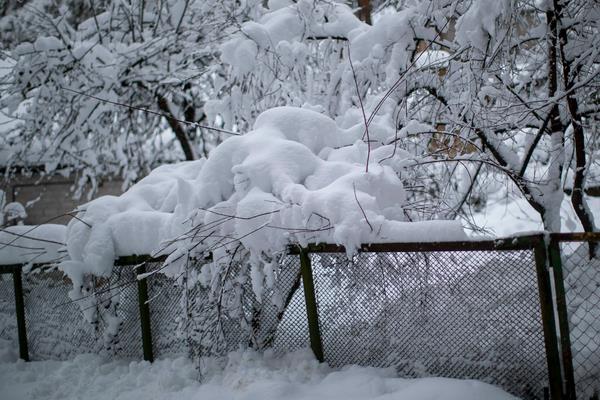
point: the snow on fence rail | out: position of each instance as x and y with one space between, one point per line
481 310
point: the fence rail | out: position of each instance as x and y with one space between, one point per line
522 313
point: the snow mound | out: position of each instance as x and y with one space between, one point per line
248 375
22 244
296 178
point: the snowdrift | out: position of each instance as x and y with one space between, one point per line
248 375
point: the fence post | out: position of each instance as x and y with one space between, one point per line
312 313
145 315
20 309
548 322
563 319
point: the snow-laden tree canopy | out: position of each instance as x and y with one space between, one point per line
114 94
506 88
488 96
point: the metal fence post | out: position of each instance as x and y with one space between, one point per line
145 315
20 309
563 319
312 313
548 322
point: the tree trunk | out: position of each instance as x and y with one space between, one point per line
364 14
577 196
178 128
551 216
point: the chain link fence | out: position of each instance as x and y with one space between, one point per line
167 305
292 332
469 314
56 328
581 275
8 322
455 311
277 320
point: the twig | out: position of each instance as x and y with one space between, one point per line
24 236
362 109
37 226
403 75
361 208
151 112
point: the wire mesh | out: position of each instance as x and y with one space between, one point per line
167 312
292 332
8 314
582 292
57 328
454 314
209 331
275 320
462 314
122 287
55 325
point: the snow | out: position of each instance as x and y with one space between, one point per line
296 178
48 44
14 211
22 244
247 375
286 23
433 59
8 350
391 30
6 122
478 23
505 216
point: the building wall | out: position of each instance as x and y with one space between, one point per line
47 200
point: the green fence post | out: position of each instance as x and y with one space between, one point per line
20 308
548 322
563 320
145 315
312 313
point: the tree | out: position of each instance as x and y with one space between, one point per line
501 89
94 96
435 97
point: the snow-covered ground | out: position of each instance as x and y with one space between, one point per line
248 375
505 216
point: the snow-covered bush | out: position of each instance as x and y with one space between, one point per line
474 77
296 178
105 96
